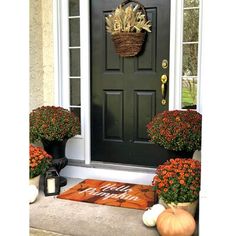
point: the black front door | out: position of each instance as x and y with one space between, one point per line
126 92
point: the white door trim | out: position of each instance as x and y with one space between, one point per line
85 75
175 55
172 55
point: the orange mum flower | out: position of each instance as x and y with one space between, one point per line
39 161
178 180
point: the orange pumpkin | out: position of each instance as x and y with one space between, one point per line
175 222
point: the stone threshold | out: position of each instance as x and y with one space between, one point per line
111 166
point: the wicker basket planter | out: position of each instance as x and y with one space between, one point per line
129 44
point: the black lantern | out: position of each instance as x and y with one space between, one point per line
51 182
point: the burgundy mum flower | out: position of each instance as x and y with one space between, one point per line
176 130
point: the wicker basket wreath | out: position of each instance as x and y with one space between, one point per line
128 27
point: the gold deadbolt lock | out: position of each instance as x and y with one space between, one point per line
164 64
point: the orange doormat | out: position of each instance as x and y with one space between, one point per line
111 193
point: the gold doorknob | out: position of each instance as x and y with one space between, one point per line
164 80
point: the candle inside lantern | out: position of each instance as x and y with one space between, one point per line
51 186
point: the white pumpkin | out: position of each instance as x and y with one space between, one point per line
150 216
33 193
158 209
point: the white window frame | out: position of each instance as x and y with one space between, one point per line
61 62
176 55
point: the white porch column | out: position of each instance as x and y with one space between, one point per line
218 105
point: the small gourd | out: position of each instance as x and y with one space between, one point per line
33 193
175 222
150 216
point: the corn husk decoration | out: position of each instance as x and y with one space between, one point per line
128 19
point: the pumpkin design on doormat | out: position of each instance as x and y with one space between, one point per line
111 193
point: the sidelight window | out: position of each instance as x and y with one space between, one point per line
74 56
190 54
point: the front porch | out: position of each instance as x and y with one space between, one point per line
50 216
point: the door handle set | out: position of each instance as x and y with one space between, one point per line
164 80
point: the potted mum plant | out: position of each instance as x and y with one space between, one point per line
39 163
53 123
128 27
177 182
176 130
53 126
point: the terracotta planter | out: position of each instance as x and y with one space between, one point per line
35 181
188 206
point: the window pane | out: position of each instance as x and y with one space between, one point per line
191 21
75 92
73 7
190 55
191 3
74 25
189 92
74 62
77 112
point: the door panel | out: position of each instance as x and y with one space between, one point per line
147 61
113 121
126 92
144 110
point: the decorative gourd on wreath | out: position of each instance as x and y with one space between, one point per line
128 27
